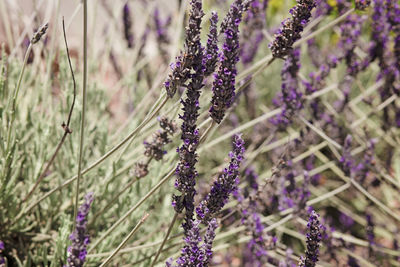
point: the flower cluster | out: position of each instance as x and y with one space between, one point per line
155 148
224 185
160 139
189 59
224 80
211 52
161 32
192 253
79 237
350 32
290 100
347 160
39 34
313 239
248 205
127 22
291 28
186 171
252 35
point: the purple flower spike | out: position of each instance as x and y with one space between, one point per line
189 60
347 160
313 239
208 241
161 30
79 237
224 80
127 20
192 254
186 170
290 98
191 250
291 28
252 34
211 53
224 185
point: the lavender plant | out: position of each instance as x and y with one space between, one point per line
313 241
225 78
323 133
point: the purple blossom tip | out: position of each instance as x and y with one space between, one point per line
291 28
79 237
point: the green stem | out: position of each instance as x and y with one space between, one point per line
82 135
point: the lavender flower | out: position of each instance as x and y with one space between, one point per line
313 239
189 60
186 171
2 259
347 160
127 21
350 32
224 185
362 170
256 248
224 80
362 4
380 31
39 34
252 35
291 28
192 253
211 53
79 237
208 241
291 98
346 221
161 33
155 149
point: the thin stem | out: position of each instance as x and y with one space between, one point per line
123 243
82 135
66 127
165 239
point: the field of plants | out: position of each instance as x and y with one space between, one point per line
200 133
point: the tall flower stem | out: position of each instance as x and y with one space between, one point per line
65 126
82 134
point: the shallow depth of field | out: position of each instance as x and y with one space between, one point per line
200 133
